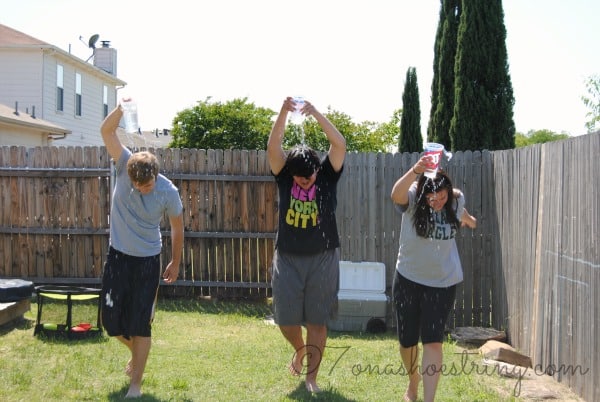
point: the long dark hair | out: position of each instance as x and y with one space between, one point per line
423 217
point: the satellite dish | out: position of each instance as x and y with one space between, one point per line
93 40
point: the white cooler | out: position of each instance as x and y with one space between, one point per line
361 296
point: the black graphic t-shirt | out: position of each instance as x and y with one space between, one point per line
307 223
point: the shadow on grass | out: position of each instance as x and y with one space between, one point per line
258 309
327 394
20 323
119 395
389 334
65 340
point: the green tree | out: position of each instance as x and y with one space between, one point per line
238 124
362 137
592 102
235 124
442 86
411 139
389 132
537 137
483 97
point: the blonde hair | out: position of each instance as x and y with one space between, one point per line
142 167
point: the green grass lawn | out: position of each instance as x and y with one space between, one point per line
207 350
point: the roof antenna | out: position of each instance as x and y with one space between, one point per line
92 44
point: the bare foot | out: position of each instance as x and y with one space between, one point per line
128 369
408 398
133 393
413 389
295 366
311 386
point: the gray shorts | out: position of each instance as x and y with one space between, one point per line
305 287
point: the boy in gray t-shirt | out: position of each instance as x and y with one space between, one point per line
131 274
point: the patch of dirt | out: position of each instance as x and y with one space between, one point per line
526 385
509 380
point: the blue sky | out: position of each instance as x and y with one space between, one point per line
350 55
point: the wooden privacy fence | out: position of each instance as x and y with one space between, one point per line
56 204
548 257
55 208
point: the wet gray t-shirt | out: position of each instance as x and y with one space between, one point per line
431 261
135 218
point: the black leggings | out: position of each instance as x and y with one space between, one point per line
421 310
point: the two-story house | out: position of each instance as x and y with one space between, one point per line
51 97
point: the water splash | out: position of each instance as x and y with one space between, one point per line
447 154
130 143
302 135
297 118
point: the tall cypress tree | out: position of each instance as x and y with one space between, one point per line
483 97
410 122
442 86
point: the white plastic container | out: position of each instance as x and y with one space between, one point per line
361 296
297 117
130 115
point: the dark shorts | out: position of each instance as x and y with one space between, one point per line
129 289
305 287
421 310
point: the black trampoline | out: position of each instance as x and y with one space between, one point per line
67 328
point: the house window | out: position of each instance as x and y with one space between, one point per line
60 91
77 94
105 100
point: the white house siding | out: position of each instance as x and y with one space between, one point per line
21 79
85 128
66 117
27 137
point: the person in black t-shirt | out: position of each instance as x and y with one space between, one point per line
305 279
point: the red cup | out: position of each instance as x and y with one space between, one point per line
435 151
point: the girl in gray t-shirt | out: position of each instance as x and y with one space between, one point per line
427 270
